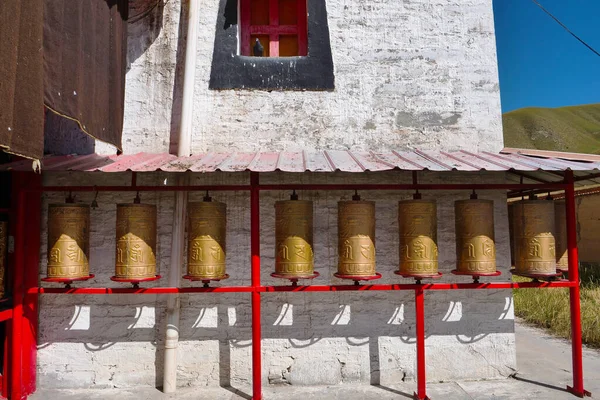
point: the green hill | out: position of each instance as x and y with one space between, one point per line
574 129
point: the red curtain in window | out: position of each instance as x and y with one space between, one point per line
279 25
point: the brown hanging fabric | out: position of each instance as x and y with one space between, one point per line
85 56
21 78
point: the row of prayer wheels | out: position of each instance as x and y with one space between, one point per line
136 232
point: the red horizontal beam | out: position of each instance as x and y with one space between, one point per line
4 210
6 315
273 30
313 288
212 188
154 290
444 186
491 186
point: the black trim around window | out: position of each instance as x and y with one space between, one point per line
232 71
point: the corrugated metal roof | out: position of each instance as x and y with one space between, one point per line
322 161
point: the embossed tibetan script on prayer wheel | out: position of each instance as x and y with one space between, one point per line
294 257
207 233
356 238
3 246
560 235
534 239
475 246
417 221
136 241
68 241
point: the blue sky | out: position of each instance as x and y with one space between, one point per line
540 64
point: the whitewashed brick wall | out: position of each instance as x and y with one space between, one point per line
409 74
308 338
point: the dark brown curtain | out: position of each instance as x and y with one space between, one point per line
69 55
85 57
21 78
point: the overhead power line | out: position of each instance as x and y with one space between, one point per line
566 28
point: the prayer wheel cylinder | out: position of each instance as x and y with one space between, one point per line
294 257
3 245
68 241
356 238
534 239
560 236
207 233
475 246
136 241
511 233
417 222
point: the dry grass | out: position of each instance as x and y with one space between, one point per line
549 308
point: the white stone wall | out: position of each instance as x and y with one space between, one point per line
408 74
308 338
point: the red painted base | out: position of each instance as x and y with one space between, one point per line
135 282
419 277
358 278
475 276
582 395
294 279
68 281
205 281
536 277
417 397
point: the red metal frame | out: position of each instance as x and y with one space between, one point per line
22 331
255 289
576 351
274 30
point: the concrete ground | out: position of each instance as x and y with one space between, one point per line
544 371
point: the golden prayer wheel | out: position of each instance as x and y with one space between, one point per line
475 246
136 241
3 245
68 241
560 235
207 231
294 257
356 238
534 239
417 221
511 233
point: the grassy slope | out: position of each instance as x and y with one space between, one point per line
549 308
574 129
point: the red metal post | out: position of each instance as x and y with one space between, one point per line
24 267
577 388
255 250
421 393
29 323
16 324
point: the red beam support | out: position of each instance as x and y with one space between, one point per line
300 289
421 393
576 343
544 187
255 250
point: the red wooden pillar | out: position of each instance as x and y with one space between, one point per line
577 388
421 393
255 271
24 263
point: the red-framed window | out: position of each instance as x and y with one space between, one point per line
280 26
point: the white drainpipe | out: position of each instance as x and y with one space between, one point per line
179 213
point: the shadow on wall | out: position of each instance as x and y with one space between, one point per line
295 327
